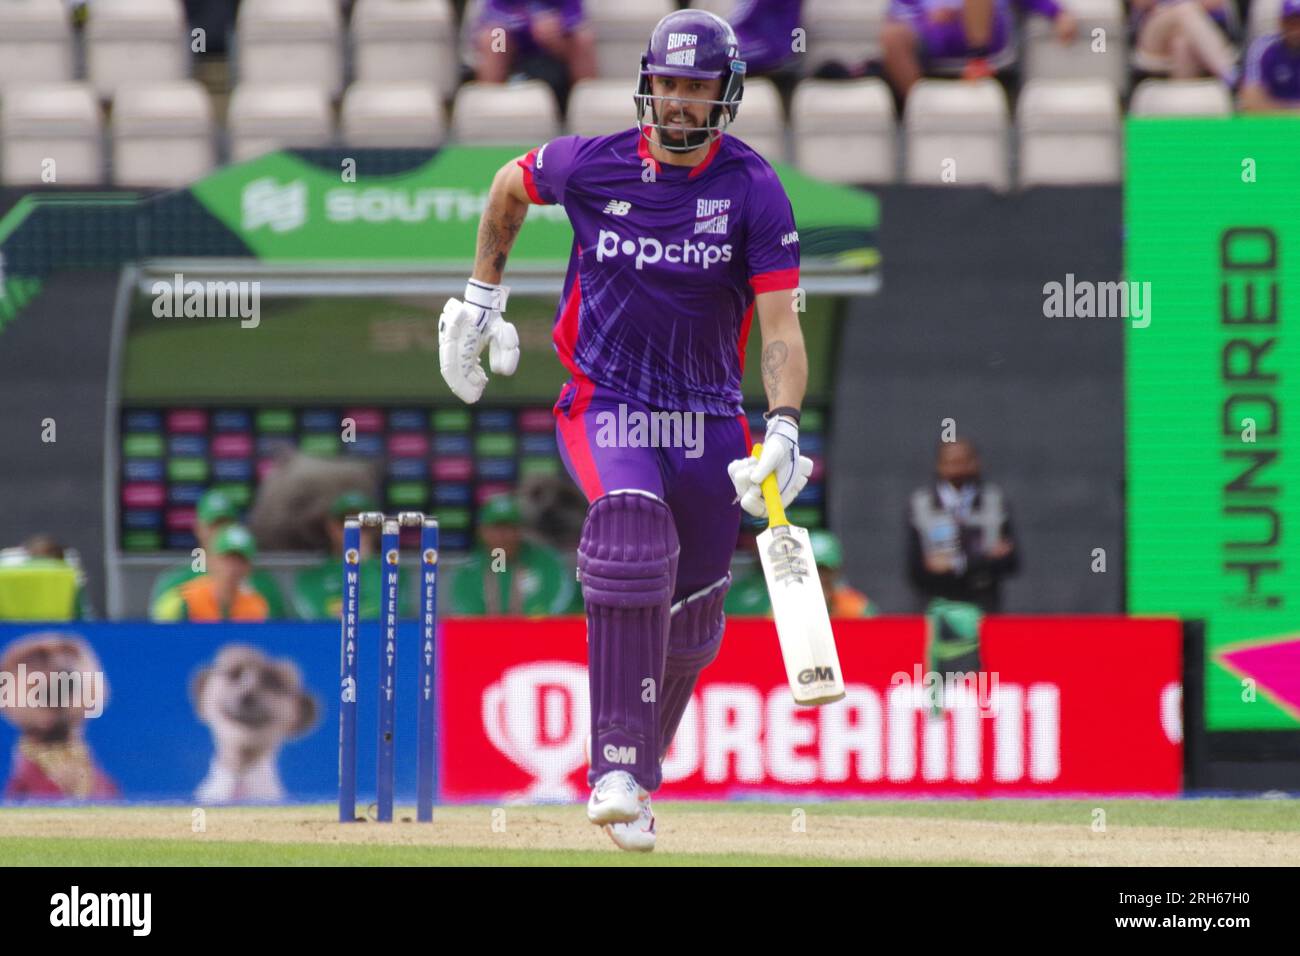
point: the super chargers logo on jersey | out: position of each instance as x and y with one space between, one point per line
649 251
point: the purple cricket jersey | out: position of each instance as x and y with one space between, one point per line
1272 64
764 29
660 290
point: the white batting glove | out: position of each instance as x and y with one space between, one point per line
780 455
465 329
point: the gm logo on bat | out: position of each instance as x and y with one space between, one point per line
810 675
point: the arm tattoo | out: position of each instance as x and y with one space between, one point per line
498 235
774 356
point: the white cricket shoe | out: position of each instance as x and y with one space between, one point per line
638 835
616 798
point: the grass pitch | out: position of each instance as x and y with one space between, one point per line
922 833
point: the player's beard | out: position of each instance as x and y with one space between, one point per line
682 138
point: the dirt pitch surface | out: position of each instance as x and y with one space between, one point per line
1064 834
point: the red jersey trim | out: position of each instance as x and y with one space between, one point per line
744 336
775 281
565 335
573 432
708 157
526 164
643 152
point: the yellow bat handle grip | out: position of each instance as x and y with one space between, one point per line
772 495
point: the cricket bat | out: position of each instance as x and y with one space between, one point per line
803 625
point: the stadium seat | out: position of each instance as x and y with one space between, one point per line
135 41
1263 19
1069 132
622 30
405 41
392 115
761 120
162 134
844 31
35 43
1043 58
268 117
293 42
1156 97
844 130
597 107
516 114
59 122
962 122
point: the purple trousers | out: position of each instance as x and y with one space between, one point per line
603 452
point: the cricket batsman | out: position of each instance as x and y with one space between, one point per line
681 233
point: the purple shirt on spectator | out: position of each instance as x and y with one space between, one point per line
764 29
515 15
1272 64
948 40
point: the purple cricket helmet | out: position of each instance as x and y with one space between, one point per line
695 45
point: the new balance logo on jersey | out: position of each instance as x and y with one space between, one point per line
616 207
623 755
648 251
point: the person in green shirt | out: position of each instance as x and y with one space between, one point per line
214 511
507 574
224 592
318 590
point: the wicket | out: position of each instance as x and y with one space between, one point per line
425 746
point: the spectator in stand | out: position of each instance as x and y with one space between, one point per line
224 593
1184 38
1272 80
318 590
506 574
40 581
214 511
960 542
841 599
918 33
532 28
765 30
